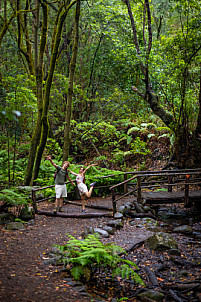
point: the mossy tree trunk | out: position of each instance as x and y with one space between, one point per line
70 84
39 138
45 125
39 92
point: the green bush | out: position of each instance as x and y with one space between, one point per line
89 254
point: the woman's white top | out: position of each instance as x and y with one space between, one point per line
79 178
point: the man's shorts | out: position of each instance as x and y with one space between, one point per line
82 188
61 191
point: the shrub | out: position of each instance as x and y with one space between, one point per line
89 254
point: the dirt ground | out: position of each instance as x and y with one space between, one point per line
23 275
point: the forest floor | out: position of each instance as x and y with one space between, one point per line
25 277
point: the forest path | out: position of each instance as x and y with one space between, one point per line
23 277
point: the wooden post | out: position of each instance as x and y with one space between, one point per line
125 185
114 202
186 196
33 197
170 178
139 192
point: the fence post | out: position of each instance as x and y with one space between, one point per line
33 197
170 178
139 192
125 185
186 196
114 202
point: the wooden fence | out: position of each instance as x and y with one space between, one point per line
142 182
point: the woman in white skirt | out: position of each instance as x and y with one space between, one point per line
83 190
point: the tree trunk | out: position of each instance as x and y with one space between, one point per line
187 147
70 84
45 125
39 83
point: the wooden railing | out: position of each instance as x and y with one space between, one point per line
164 178
141 180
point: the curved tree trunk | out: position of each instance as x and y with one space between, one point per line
187 147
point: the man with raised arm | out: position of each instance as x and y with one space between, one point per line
60 179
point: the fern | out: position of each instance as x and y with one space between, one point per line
83 255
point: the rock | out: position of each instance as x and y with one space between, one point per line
147 209
151 294
107 228
101 232
186 229
161 241
15 226
117 224
122 209
118 215
27 213
87 231
6 218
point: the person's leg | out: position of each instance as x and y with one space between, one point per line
83 198
63 194
57 202
59 194
60 203
88 193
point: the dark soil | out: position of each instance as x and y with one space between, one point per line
24 277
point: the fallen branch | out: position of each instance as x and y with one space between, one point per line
174 296
152 277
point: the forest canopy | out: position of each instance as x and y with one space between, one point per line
104 81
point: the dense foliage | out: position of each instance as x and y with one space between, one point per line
110 124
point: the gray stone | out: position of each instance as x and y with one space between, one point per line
87 231
107 228
75 283
122 209
101 232
186 229
117 224
80 288
129 204
151 294
118 215
161 241
15 226
147 209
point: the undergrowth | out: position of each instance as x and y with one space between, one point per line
87 256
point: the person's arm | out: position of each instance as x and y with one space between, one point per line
70 180
50 159
89 167
72 172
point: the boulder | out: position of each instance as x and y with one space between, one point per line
27 213
186 229
153 295
15 226
101 232
161 241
